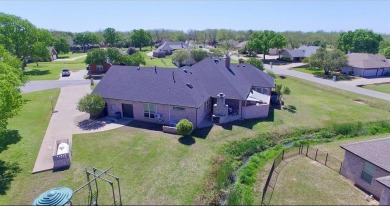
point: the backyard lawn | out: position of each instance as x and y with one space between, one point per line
158 168
379 87
159 62
52 70
306 182
70 55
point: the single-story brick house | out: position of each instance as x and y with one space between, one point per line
168 47
99 69
212 90
366 65
53 53
367 165
300 53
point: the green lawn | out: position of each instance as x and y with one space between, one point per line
306 182
70 55
320 73
27 133
158 168
159 62
379 87
312 71
52 70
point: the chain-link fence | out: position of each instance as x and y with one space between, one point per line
279 162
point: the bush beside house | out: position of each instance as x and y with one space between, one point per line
184 127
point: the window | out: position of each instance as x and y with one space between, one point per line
179 108
99 68
207 105
150 110
368 172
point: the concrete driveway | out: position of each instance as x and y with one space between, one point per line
339 84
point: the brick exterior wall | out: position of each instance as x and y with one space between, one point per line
352 169
385 197
93 69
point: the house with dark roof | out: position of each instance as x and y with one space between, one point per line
168 47
367 165
212 90
300 53
53 53
367 65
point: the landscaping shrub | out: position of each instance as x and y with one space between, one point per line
92 104
256 63
184 127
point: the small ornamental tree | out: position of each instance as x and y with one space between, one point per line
256 63
92 104
184 127
282 90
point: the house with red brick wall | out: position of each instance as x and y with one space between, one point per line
99 69
367 165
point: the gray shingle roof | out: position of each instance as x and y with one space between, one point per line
207 78
384 181
172 45
375 151
302 51
367 61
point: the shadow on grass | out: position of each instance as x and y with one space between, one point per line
63 57
291 108
8 171
145 125
202 132
37 72
187 140
9 137
90 124
250 123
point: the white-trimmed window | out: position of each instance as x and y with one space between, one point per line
150 110
368 172
99 68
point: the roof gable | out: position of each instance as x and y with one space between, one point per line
367 61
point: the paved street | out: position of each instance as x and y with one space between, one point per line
339 85
34 86
70 59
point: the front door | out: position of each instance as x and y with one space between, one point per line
127 110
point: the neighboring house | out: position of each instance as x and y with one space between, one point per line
168 47
53 53
367 65
99 69
367 165
300 53
212 90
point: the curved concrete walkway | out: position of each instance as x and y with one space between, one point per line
282 70
63 124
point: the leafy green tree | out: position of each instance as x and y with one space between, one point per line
111 37
360 40
114 55
263 41
96 56
184 127
256 63
17 35
11 78
40 52
216 52
386 52
61 45
279 42
141 38
328 60
86 38
281 91
383 45
133 59
92 104
198 54
180 56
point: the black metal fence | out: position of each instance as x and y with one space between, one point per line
279 163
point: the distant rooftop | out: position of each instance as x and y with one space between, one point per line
367 61
375 151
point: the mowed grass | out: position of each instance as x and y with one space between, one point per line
70 55
159 62
158 168
306 182
30 126
312 71
52 70
379 87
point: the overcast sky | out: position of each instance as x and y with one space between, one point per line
126 15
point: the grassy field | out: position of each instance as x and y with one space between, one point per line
52 70
159 62
70 55
306 182
158 168
21 146
379 87
312 71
